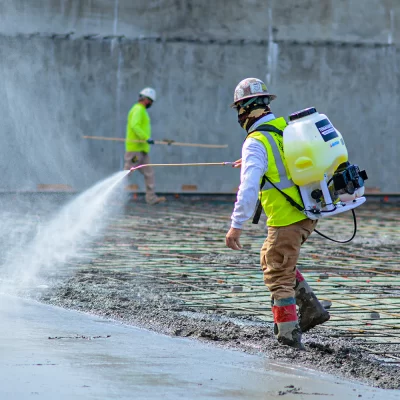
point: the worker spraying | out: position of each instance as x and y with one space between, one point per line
301 175
138 141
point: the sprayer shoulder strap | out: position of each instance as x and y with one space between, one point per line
257 213
287 197
258 210
269 128
266 128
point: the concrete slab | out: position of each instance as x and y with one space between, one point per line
51 353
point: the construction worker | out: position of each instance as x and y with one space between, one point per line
138 141
262 162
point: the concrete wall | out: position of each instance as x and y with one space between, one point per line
72 68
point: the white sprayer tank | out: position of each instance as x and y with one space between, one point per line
313 147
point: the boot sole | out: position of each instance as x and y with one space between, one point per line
317 321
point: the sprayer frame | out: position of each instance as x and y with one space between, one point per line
331 209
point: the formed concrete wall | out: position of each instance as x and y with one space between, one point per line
74 68
360 21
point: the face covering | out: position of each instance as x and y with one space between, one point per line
247 119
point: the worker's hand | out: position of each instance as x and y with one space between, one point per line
232 239
237 163
150 141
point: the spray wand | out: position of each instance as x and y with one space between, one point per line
231 163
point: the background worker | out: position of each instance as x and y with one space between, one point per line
288 228
138 141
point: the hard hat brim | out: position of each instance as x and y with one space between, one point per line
271 97
147 96
148 92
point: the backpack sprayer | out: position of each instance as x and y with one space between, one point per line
317 160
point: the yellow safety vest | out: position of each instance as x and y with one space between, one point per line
138 129
278 210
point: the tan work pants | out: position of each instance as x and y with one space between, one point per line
279 256
133 159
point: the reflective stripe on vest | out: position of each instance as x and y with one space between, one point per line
284 181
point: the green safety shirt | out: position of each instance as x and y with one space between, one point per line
138 127
278 210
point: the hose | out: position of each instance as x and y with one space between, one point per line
345 241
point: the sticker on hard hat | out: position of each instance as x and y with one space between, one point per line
255 87
239 93
326 130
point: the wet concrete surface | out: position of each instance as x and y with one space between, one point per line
51 353
167 269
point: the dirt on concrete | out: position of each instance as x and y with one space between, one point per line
111 281
116 296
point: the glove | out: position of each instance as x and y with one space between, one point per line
237 164
150 141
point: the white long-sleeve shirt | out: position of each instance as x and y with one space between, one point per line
254 166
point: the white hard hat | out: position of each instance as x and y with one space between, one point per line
149 92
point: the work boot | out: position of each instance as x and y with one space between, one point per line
156 200
286 327
311 311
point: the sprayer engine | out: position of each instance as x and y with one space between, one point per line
348 179
333 195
